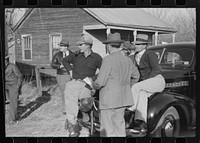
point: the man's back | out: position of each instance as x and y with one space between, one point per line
114 77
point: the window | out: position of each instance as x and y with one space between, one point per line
176 56
54 40
27 47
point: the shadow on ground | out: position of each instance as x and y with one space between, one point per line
25 111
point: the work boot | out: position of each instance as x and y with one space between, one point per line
139 127
74 129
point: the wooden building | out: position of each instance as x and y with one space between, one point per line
40 30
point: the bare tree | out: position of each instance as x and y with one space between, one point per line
183 20
192 17
12 16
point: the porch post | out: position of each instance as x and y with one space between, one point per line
38 80
134 34
156 38
173 36
107 32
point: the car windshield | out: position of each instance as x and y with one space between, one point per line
175 56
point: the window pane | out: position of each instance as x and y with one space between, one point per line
27 54
56 38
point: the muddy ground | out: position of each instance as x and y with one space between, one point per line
40 116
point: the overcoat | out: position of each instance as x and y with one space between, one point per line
114 80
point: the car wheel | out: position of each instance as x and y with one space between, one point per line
169 124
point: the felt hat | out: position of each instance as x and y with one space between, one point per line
127 46
141 39
64 43
85 39
113 38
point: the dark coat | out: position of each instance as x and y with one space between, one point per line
57 61
148 65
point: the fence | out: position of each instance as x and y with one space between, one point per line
38 75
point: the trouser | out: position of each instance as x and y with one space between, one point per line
74 91
112 122
141 91
62 80
13 98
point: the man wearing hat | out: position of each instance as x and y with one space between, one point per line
129 50
63 75
13 79
115 91
151 81
85 65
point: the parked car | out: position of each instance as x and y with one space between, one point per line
171 113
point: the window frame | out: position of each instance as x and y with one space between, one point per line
23 47
50 44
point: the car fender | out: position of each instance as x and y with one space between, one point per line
160 102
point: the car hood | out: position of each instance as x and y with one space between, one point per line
169 73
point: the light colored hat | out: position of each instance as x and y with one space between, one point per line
85 39
64 43
141 39
113 38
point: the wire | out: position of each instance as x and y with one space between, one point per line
42 21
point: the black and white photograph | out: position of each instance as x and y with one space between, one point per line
100 72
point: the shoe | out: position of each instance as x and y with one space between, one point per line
74 129
129 116
138 127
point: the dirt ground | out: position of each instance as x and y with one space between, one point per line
40 116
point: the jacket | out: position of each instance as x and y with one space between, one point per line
12 75
57 61
114 81
148 65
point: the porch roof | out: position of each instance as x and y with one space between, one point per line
133 18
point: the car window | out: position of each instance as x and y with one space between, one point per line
175 56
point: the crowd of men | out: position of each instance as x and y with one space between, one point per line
125 79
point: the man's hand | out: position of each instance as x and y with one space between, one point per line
61 66
88 81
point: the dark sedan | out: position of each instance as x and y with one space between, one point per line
171 113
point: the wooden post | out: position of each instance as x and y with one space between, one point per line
156 38
135 35
38 80
173 36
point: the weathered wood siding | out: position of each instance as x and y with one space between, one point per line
44 21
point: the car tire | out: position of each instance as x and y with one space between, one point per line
169 124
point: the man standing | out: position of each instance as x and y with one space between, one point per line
13 79
151 81
63 75
115 89
85 65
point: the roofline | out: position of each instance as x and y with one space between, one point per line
21 21
141 28
94 15
102 26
